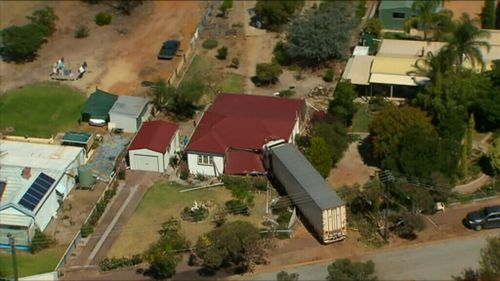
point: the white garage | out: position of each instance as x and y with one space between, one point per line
153 146
128 113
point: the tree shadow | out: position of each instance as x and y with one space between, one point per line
365 150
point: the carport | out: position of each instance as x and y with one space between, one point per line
98 106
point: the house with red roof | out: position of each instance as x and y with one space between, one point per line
229 137
153 146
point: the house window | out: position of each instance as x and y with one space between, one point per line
398 15
205 160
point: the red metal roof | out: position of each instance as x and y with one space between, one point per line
244 121
154 135
240 162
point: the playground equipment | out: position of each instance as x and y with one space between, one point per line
62 71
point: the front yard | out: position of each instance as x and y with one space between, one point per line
163 200
31 264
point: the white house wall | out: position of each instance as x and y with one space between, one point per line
127 123
295 131
174 145
208 170
133 165
47 210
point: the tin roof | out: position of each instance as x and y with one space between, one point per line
129 105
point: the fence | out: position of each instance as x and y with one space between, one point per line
189 52
74 243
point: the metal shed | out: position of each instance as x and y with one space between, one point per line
128 113
98 105
394 13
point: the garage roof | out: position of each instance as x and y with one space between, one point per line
129 106
358 70
98 104
154 135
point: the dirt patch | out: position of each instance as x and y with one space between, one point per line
351 169
116 54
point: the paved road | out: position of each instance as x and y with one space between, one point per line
434 261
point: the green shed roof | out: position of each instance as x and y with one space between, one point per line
98 104
75 137
395 4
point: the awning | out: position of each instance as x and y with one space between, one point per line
392 79
358 70
17 220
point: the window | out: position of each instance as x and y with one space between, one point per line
205 160
398 15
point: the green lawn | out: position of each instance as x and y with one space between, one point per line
232 83
40 110
362 119
200 67
29 264
163 200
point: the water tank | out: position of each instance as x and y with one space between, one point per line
85 176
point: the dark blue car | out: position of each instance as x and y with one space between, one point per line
488 217
168 49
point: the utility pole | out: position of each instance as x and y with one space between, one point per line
386 178
13 254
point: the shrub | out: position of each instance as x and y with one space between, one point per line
328 77
21 43
260 183
107 264
201 177
237 207
220 217
103 18
222 53
86 230
82 31
268 72
40 241
184 175
195 215
280 54
235 62
286 93
210 43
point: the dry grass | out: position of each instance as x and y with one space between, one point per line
163 200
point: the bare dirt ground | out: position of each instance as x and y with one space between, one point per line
473 8
119 55
350 169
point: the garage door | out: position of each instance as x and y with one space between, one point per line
146 163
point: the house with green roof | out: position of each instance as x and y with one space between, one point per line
98 106
394 13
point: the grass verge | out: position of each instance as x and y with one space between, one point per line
40 110
31 264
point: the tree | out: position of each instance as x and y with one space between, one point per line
163 255
488 14
426 10
46 18
374 26
268 72
21 43
412 223
434 66
335 135
344 269
273 14
285 276
222 53
468 274
391 124
489 263
319 157
236 243
343 105
160 93
465 43
225 6
306 40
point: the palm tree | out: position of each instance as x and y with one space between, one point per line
434 66
426 10
465 42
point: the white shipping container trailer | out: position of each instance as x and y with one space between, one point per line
308 190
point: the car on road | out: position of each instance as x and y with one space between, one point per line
488 217
169 49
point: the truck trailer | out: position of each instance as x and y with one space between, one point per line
308 190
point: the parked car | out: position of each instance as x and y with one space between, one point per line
168 49
488 217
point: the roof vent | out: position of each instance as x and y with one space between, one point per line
26 174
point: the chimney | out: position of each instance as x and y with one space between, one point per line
26 174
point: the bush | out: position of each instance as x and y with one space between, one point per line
82 31
184 175
107 264
280 54
86 230
201 177
235 62
222 53
21 43
40 241
210 44
237 207
195 215
260 183
103 18
268 72
328 77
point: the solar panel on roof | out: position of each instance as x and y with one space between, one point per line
36 191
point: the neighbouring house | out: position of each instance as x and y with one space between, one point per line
80 139
395 13
34 181
96 109
153 146
229 137
128 113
